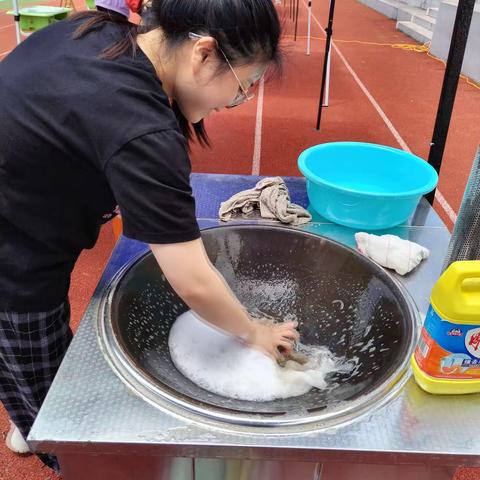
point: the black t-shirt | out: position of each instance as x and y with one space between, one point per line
79 136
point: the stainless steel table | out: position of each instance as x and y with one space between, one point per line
100 430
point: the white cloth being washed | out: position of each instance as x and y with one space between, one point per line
391 251
219 363
271 196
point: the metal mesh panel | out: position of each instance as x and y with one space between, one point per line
465 241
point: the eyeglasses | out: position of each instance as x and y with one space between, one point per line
243 94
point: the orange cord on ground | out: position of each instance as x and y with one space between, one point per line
409 47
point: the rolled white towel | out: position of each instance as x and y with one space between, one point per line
391 251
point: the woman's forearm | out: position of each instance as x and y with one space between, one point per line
193 277
211 298
191 274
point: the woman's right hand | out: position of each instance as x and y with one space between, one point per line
275 340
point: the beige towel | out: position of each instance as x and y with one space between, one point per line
271 196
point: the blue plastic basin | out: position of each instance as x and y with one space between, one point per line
363 185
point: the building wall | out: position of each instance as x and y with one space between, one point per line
443 31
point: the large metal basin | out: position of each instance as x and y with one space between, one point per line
340 299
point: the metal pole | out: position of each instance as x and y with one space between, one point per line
453 69
328 42
327 80
296 20
16 17
309 26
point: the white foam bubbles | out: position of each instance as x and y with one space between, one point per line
221 364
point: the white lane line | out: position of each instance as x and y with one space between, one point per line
257 149
7 26
4 53
438 195
446 206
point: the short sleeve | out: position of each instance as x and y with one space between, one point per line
150 179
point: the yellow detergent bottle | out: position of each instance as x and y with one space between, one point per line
447 357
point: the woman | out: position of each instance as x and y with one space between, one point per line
96 113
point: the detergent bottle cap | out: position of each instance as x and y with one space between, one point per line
456 295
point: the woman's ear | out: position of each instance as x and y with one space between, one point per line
204 51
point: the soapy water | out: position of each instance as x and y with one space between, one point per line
223 365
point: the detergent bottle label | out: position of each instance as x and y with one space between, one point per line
449 350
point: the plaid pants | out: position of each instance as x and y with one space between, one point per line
32 346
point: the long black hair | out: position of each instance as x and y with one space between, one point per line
247 31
